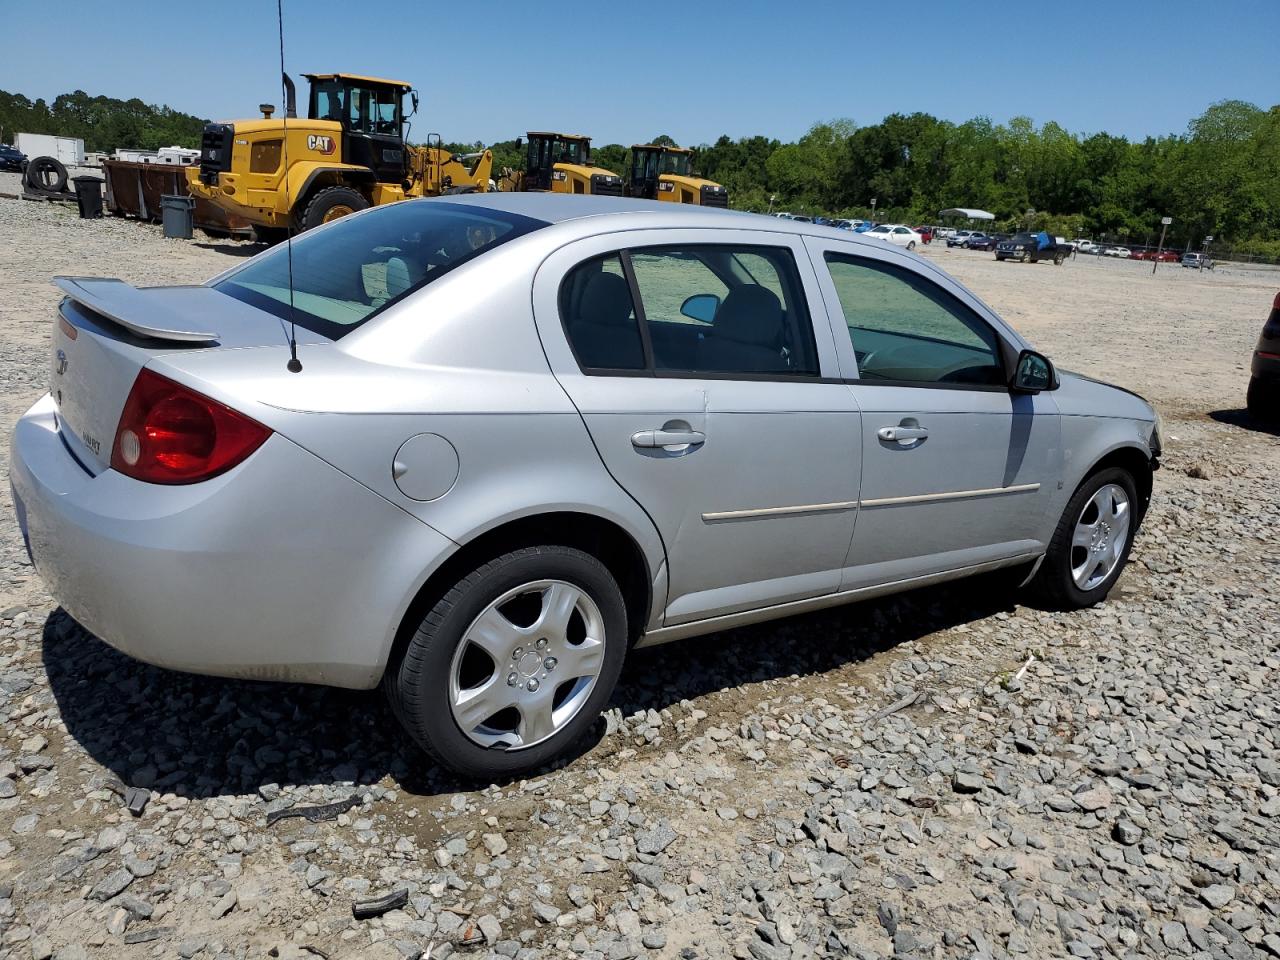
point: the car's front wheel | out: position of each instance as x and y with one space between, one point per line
911 245
1090 545
512 665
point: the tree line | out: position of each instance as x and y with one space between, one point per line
1221 177
103 123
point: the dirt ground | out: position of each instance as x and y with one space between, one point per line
750 795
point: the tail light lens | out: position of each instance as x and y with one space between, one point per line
170 434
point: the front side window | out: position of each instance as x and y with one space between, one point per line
708 309
345 273
906 329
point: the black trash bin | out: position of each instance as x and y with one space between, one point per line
177 214
89 196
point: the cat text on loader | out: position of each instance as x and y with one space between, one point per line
560 163
666 173
349 153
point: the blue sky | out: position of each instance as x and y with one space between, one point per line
693 70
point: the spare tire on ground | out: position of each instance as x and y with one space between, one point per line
47 174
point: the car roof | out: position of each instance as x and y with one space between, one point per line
562 207
629 212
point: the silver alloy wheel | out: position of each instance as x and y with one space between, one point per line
539 674
1101 532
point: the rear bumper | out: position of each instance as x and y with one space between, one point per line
281 569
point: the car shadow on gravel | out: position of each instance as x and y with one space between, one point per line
1241 418
203 737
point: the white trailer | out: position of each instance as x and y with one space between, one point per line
68 150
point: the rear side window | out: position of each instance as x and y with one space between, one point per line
714 310
345 273
600 317
906 329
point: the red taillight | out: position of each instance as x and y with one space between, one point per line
168 433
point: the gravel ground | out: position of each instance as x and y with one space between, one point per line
944 774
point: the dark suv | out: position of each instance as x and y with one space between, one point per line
1264 385
12 158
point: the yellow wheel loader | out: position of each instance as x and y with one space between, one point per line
560 163
349 153
666 173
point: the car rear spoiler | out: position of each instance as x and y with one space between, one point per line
144 312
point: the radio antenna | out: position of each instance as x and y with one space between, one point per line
294 365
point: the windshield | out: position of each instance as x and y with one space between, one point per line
345 273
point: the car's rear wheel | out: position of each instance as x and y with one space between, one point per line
1263 401
1090 545
512 665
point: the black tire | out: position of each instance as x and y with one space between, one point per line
999 258
1263 401
911 245
1057 260
322 205
1054 583
47 174
417 682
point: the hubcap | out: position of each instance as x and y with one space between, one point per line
1100 535
334 212
527 665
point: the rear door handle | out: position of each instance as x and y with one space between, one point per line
902 433
667 438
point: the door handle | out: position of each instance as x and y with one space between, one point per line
902 433
667 438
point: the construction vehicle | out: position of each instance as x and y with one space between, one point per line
349 153
661 172
560 163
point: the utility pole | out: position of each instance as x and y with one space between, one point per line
873 209
1164 225
1205 253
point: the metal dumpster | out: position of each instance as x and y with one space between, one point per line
135 189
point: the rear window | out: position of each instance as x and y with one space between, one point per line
346 273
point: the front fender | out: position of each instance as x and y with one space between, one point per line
304 174
1087 441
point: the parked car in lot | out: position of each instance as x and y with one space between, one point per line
1087 246
1031 247
1122 252
959 238
1264 380
12 158
895 233
1197 261
981 241
926 234
528 432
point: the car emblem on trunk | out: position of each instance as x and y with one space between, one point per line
62 362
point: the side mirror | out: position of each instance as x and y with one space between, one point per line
413 99
519 143
1033 373
701 307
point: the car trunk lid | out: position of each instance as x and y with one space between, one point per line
106 331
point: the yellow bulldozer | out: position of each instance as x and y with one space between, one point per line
349 153
560 163
661 172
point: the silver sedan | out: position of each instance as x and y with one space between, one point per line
523 434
